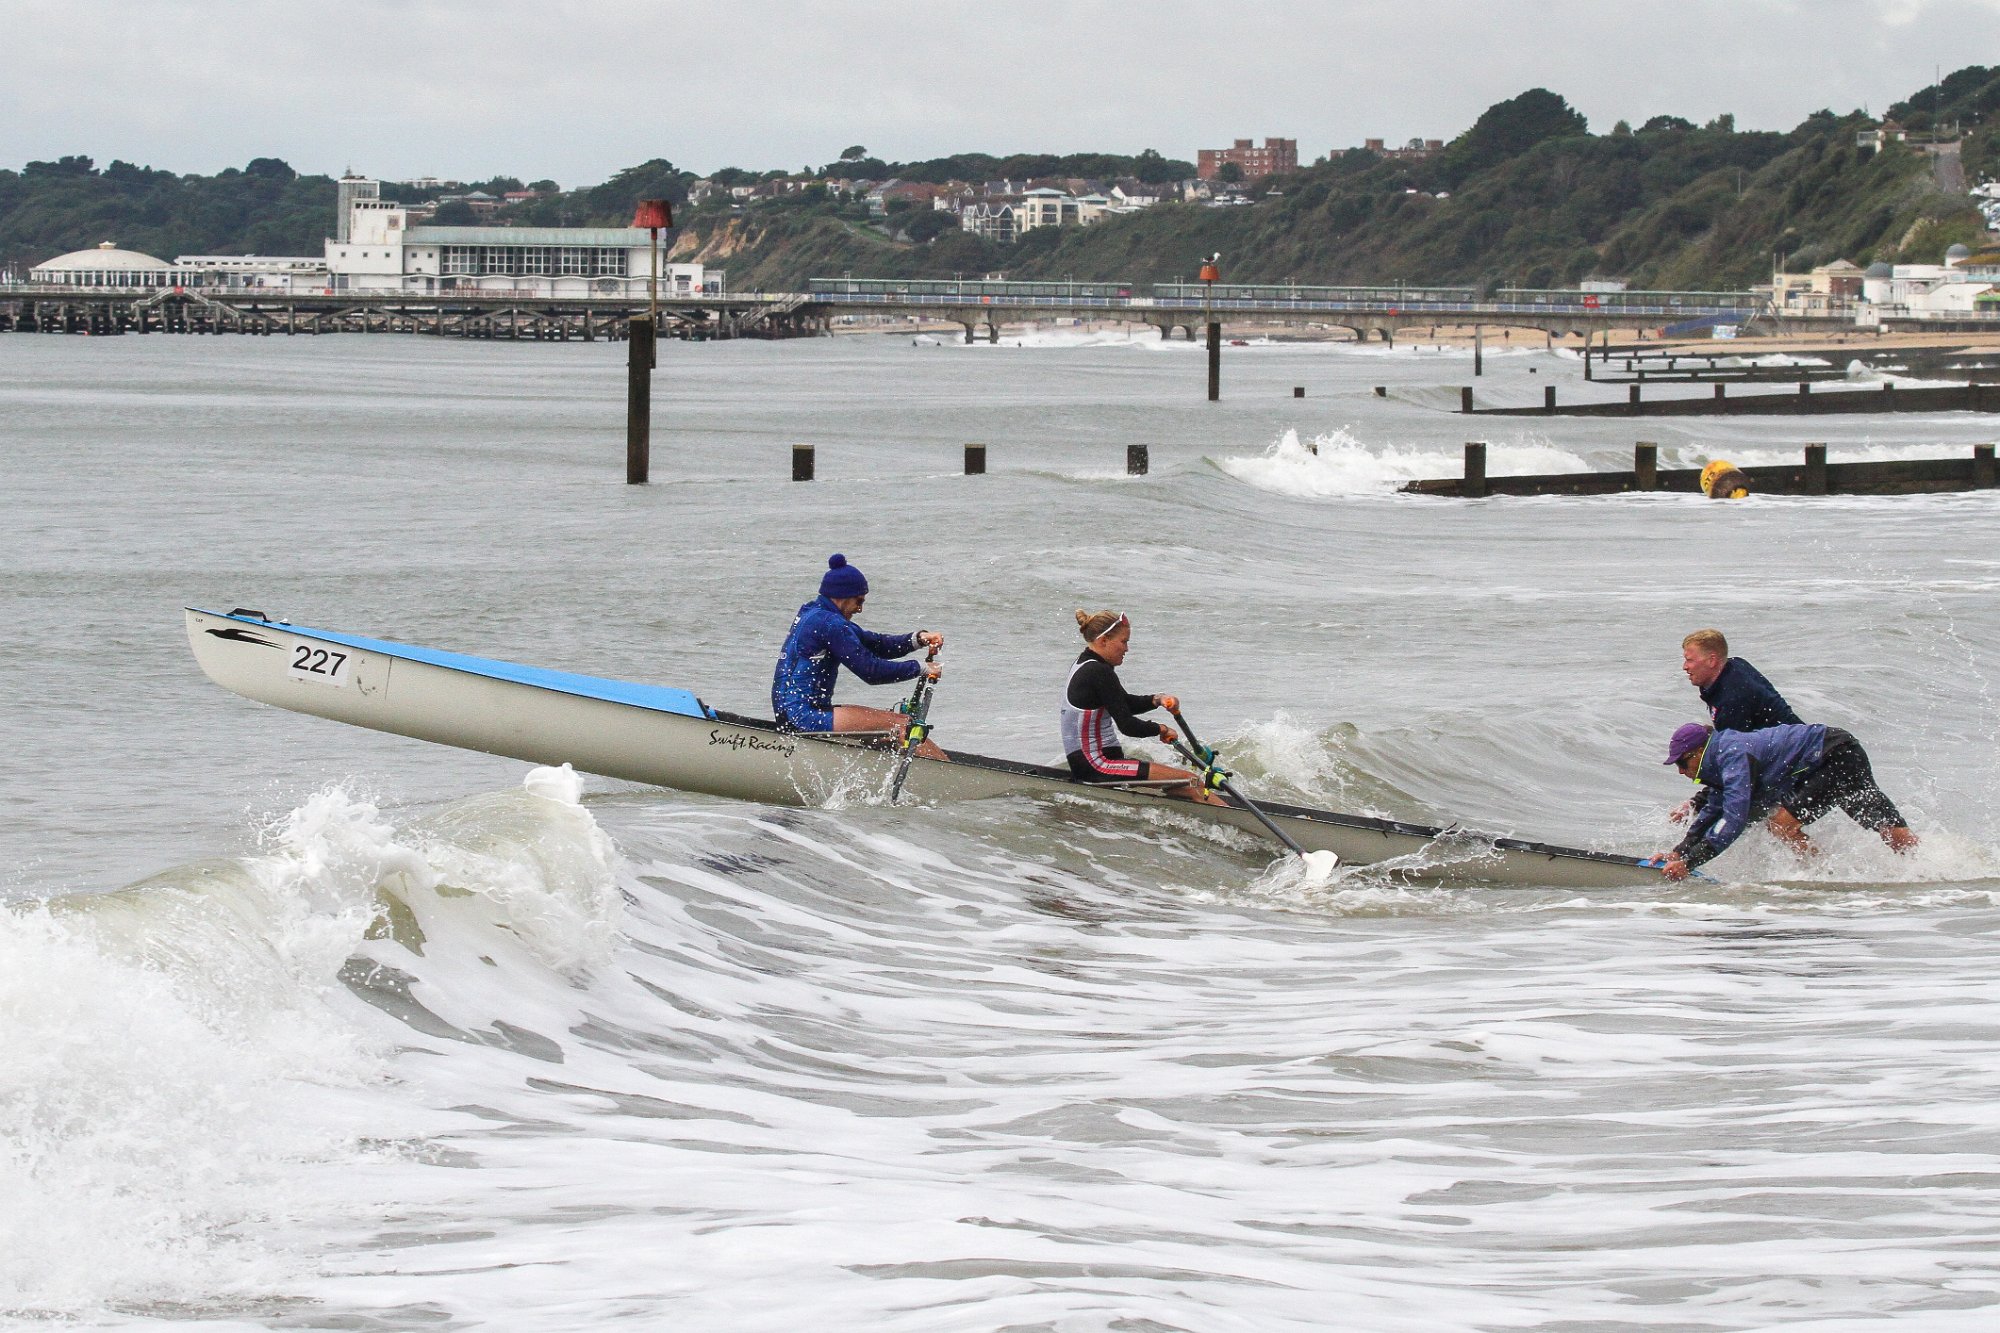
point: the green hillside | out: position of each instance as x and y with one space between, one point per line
1525 196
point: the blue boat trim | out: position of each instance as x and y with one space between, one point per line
658 698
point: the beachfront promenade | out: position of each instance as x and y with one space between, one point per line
980 309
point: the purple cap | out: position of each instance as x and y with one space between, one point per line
1688 737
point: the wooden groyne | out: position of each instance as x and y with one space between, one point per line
1813 475
1802 401
1683 364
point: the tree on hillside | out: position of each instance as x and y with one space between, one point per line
930 224
1507 130
853 153
1152 167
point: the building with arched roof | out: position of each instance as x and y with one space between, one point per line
105 266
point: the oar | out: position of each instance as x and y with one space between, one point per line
919 709
1211 775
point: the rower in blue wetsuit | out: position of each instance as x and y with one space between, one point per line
823 639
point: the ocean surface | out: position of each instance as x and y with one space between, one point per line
308 1027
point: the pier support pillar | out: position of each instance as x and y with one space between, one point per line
639 401
1214 361
993 334
970 332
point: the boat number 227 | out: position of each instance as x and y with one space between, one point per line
321 665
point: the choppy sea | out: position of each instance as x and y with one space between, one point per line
307 1027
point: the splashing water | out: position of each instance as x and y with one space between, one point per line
1340 464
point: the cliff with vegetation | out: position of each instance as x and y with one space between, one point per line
1526 196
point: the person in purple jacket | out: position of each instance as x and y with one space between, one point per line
823 639
1790 774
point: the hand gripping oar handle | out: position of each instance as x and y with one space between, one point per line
919 709
1203 759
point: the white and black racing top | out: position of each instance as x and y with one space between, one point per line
1096 707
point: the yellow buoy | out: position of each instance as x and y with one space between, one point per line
1723 480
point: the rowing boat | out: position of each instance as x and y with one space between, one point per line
669 738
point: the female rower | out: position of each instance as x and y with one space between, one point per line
1096 701
823 639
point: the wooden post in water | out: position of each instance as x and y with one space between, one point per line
639 402
1549 398
802 462
1721 392
1473 487
1465 399
1478 349
1982 467
1815 468
1135 460
1589 337
975 460
1645 466
1805 389
1214 361
1381 391
1298 391
1632 398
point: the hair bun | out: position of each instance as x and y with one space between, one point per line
1082 616
836 560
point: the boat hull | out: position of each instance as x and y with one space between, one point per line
669 738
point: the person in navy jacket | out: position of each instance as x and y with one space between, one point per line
1737 695
1790 774
824 638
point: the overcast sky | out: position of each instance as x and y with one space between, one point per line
577 89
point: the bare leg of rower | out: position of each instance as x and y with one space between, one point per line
1792 833
1191 791
856 717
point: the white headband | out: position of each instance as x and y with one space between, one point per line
1111 629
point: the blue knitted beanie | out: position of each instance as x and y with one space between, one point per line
842 579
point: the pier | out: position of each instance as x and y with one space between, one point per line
486 315
979 307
